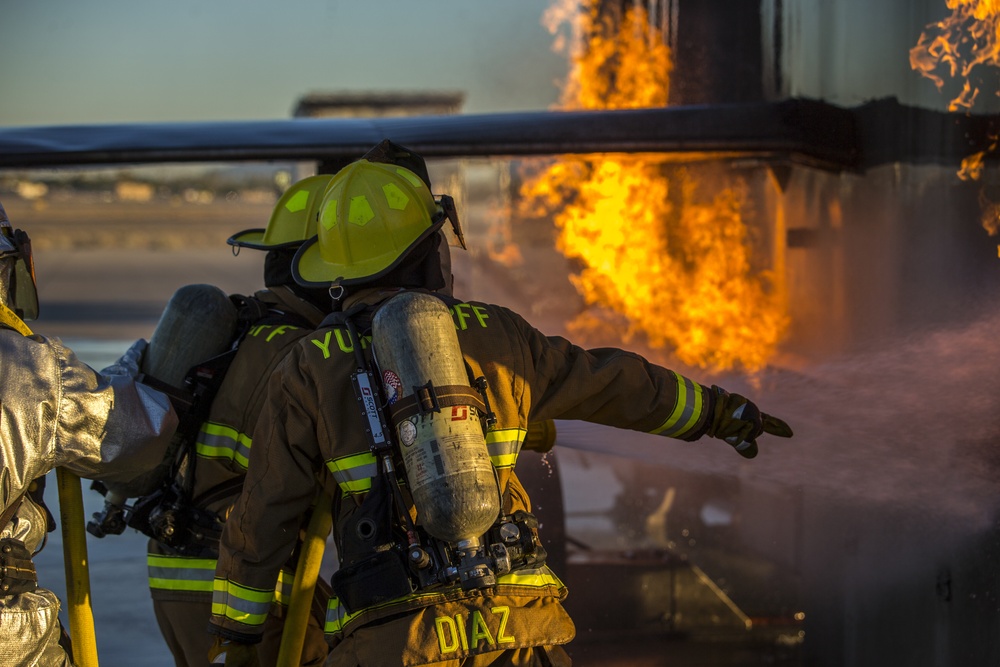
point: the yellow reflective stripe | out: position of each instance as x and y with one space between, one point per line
687 409
354 473
533 578
506 435
504 444
240 603
506 461
179 573
218 441
337 617
283 589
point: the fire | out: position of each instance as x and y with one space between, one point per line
656 250
957 44
969 37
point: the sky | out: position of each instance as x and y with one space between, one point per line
118 61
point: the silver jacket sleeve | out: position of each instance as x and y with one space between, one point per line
56 411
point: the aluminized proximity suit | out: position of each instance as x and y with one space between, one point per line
311 424
59 412
181 584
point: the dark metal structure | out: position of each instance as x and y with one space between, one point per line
796 131
878 522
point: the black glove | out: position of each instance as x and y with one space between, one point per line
739 422
234 653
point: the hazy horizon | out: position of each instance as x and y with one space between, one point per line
111 61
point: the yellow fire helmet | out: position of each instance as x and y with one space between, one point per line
293 220
372 215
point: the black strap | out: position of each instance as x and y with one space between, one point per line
249 309
431 399
220 491
11 510
17 572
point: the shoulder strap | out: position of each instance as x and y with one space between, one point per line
10 320
11 510
252 310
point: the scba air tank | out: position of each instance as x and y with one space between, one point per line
198 322
436 417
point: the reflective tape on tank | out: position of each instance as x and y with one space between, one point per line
179 573
686 412
354 473
241 603
504 444
216 441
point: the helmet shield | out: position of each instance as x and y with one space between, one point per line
293 220
24 292
15 246
371 216
457 236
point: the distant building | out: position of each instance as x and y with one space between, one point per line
378 104
446 175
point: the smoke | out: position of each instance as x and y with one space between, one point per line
911 425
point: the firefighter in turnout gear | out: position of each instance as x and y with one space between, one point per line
202 490
57 412
414 586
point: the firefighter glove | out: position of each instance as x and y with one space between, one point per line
128 364
739 422
235 654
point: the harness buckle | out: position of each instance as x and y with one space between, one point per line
17 571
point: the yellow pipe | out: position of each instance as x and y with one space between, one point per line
306 575
78 607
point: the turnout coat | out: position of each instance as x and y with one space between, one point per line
310 433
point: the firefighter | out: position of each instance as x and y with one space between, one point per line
57 412
181 565
408 591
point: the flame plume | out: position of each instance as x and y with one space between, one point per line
957 44
671 261
954 47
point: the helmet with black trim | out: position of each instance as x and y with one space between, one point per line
293 219
372 217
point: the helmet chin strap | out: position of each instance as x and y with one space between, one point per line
337 294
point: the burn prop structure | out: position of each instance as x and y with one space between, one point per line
793 131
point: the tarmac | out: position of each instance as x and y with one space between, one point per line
876 523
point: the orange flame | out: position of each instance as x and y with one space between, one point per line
957 44
673 263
